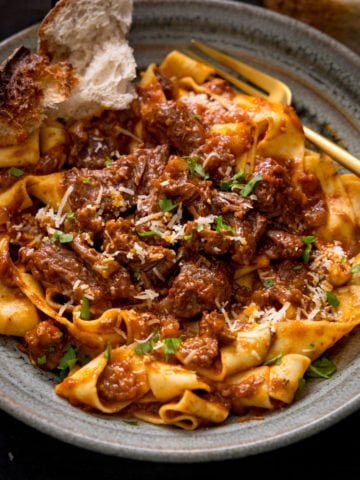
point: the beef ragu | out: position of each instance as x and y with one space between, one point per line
198 220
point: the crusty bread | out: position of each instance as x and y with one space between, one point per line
338 18
91 35
29 85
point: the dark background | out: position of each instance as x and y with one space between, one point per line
26 454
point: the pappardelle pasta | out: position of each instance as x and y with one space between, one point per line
180 261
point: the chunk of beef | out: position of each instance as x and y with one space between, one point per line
250 231
282 245
125 245
198 352
201 285
94 139
58 267
45 345
213 325
116 275
173 123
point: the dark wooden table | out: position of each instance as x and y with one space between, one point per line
27 454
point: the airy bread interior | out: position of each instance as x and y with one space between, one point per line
91 35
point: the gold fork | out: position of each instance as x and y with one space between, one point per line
263 85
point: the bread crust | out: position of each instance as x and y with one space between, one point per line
28 85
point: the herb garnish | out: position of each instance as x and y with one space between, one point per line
166 204
61 237
195 167
85 308
249 187
41 360
226 185
321 368
86 180
275 360
107 352
268 283
149 233
171 345
67 361
15 172
108 162
146 347
308 240
70 216
220 225
355 268
332 299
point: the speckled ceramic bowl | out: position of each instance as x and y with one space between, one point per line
324 77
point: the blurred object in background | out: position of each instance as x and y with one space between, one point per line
19 14
338 18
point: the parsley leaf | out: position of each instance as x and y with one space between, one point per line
166 204
61 237
321 368
86 180
171 345
149 233
249 187
275 360
220 225
108 162
70 216
15 172
67 361
107 352
195 167
226 185
268 283
355 268
308 240
146 347
332 299
41 360
85 308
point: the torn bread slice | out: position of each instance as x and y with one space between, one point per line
29 85
92 36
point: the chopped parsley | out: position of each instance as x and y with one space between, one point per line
355 268
249 187
41 360
61 237
67 362
268 283
187 237
195 167
170 346
15 172
70 216
226 185
86 180
85 308
308 240
146 347
220 225
332 299
166 204
275 360
321 368
133 423
107 352
149 233
301 385
108 162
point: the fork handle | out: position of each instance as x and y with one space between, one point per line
334 151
